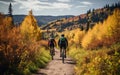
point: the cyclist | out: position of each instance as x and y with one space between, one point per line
62 43
52 43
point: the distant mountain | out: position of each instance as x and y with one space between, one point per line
42 20
18 19
83 21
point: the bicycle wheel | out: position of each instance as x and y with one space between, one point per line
52 53
63 55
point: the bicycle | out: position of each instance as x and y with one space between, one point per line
52 52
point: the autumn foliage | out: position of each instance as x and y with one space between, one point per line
100 51
104 34
29 28
21 55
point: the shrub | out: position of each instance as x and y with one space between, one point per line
97 62
18 55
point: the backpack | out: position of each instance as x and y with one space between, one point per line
62 40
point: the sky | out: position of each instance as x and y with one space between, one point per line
53 7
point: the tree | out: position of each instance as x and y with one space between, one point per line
10 12
29 28
89 11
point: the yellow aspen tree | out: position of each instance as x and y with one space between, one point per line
29 27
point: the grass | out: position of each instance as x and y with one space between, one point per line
40 59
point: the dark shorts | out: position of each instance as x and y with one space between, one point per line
63 46
52 45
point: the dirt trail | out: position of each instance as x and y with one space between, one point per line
56 67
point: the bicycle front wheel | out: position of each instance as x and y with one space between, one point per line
52 53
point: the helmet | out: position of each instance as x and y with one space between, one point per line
62 35
51 35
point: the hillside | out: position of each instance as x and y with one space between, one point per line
40 19
97 52
83 21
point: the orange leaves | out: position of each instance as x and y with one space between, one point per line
14 50
1 18
10 45
19 46
6 21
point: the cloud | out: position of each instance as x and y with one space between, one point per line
81 6
7 0
44 0
63 0
40 5
61 5
86 3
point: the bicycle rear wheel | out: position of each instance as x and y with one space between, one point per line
63 55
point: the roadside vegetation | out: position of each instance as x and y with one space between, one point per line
22 51
98 52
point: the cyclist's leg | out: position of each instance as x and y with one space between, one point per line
50 49
53 50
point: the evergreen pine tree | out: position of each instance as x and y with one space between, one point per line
10 12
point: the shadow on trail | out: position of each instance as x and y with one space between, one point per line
59 59
67 61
